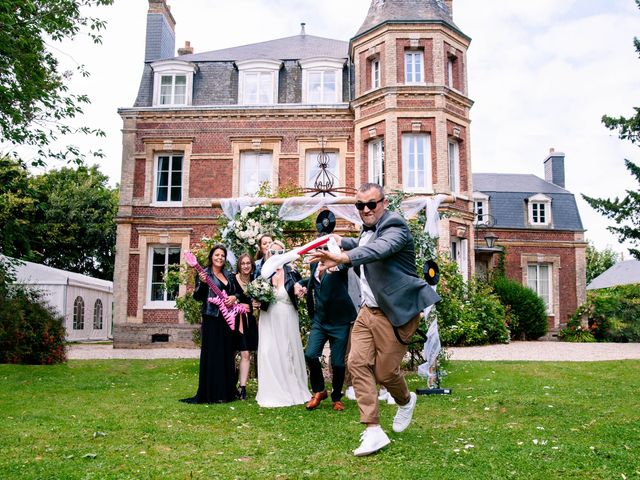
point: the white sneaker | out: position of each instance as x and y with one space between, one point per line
350 393
383 393
403 417
390 399
371 440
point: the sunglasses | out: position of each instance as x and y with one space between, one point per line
371 204
276 252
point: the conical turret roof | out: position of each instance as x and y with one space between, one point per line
401 11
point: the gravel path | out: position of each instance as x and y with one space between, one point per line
539 351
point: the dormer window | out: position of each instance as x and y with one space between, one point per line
481 208
539 210
258 82
172 83
322 80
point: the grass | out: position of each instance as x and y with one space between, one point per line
121 419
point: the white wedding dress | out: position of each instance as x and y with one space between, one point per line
282 372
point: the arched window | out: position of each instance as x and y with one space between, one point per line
78 314
97 315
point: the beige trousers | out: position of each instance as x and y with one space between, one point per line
375 357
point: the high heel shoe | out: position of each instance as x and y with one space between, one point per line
242 392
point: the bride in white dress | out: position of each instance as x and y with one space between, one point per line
282 372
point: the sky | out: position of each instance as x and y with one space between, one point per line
541 73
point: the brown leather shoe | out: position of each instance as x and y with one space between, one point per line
338 406
316 399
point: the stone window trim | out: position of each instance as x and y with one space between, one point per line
322 64
337 145
172 68
539 212
554 291
258 66
150 237
155 148
264 144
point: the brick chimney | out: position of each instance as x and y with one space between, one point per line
449 4
186 50
161 37
554 168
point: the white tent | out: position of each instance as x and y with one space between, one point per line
85 302
622 273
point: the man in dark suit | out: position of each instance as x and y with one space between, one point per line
332 312
393 298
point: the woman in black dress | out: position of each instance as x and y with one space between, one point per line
217 383
247 336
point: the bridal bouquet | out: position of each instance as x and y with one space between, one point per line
261 290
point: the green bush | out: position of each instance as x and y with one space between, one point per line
526 310
31 332
613 314
469 313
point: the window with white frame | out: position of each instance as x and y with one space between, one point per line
539 280
163 259
413 66
168 188
376 161
454 166
481 208
78 314
375 73
258 82
416 162
459 248
173 82
322 80
539 210
97 315
255 169
313 167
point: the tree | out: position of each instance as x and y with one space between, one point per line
626 211
599 260
74 227
64 218
35 102
16 208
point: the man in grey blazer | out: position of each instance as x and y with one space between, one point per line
393 297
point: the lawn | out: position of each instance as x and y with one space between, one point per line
121 419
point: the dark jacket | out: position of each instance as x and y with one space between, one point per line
329 302
202 292
389 263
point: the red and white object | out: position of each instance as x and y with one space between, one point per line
278 261
229 314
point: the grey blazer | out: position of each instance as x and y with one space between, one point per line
389 263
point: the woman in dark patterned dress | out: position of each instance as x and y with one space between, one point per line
247 334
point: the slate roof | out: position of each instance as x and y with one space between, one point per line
507 194
622 273
288 48
410 11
